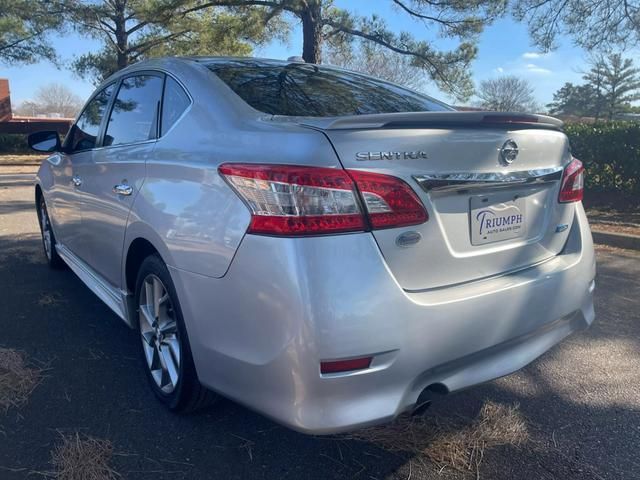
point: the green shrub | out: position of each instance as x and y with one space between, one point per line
13 143
611 154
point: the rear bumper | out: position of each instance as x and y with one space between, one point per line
259 333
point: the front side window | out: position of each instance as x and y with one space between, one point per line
175 102
299 89
134 115
84 134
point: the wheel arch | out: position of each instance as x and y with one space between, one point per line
38 193
37 196
140 239
134 253
139 249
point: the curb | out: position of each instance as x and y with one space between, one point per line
619 240
19 164
17 176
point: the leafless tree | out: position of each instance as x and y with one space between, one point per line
380 62
507 94
53 98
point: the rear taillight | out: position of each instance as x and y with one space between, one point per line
572 186
288 200
390 201
296 200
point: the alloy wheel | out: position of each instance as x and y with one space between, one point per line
159 334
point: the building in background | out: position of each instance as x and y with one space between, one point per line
5 101
10 123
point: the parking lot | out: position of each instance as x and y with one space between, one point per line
580 402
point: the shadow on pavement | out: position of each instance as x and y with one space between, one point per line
16 206
15 183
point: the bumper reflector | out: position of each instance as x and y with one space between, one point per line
338 366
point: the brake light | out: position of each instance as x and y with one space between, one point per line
298 200
572 186
390 202
510 119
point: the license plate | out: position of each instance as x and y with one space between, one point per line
495 218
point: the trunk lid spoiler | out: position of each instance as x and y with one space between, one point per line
443 120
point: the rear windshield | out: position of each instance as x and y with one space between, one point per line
299 89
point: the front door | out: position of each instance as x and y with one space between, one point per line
67 194
116 172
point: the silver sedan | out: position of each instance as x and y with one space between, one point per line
324 247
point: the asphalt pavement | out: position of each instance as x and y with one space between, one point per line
581 400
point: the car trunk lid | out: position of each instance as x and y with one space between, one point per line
489 183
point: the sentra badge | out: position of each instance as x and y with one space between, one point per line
364 156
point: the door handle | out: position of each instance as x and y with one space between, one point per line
123 189
76 180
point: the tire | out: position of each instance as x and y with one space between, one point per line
166 354
48 238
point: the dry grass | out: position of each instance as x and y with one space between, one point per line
450 442
495 426
83 458
17 379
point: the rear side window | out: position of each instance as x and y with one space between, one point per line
174 104
85 131
134 115
299 89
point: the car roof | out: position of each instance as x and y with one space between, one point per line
169 61
248 60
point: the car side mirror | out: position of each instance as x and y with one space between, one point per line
47 141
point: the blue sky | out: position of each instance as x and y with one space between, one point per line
504 48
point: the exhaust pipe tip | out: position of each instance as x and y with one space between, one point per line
427 397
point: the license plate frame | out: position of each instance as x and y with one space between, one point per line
496 218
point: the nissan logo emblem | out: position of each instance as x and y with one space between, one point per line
508 152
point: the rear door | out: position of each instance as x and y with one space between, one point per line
113 178
491 193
